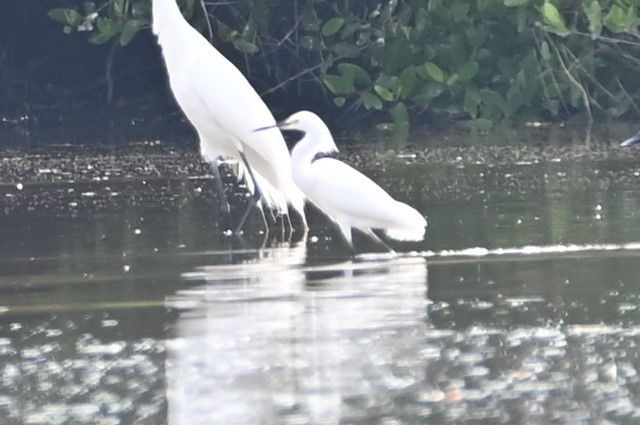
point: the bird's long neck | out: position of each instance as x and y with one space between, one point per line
314 146
168 23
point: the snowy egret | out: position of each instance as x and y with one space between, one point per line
224 109
347 196
632 141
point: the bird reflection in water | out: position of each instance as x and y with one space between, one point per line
276 341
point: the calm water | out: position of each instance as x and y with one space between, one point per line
122 303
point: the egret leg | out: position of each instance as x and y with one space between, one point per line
225 209
257 195
286 224
379 241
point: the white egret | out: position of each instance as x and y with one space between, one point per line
224 109
347 196
632 141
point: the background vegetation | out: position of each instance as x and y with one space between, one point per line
405 60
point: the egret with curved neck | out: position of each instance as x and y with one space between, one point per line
347 196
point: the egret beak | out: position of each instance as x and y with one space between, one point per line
282 125
632 141
265 128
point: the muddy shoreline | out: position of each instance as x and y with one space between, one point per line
78 163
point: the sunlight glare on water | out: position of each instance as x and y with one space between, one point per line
321 344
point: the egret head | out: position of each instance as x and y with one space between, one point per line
316 133
314 129
304 121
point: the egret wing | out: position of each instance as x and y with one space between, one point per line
225 109
346 191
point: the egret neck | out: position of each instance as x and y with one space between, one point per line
170 26
324 154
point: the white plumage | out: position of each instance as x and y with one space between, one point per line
224 109
347 196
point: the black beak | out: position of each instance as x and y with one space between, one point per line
265 128
632 141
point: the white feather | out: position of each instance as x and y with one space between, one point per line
346 195
223 107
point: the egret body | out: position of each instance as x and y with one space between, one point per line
347 196
224 109
632 141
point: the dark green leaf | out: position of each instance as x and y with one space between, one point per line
401 126
225 32
408 81
346 50
441 11
400 114
100 38
129 30
472 101
486 4
358 75
107 29
391 83
594 14
332 26
119 7
552 17
545 51
621 20
433 90
515 3
245 46
468 71
309 18
371 101
428 94
453 78
338 84
383 92
493 99
421 20
435 72
521 19
89 7
460 11
66 16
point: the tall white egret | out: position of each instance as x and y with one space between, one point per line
347 196
632 141
224 109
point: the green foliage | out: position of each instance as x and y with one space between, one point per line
485 59
115 19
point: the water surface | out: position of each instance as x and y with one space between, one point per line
122 302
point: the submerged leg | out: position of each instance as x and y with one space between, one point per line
225 209
345 228
375 237
257 195
286 226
